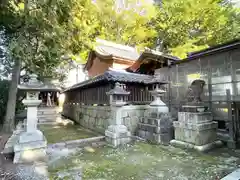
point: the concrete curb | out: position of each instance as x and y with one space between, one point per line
203 148
78 142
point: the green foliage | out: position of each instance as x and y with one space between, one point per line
127 25
35 33
190 25
45 30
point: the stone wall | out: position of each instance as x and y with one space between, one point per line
131 116
98 118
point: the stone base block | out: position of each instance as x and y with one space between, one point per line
30 152
157 111
196 137
117 135
32 136
9 146
153 128
31 147
163 138
202 148
117 142
195 118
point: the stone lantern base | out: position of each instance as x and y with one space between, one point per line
9 146
31 147
117 135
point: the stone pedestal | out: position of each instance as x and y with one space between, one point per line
31 147
195 129
9 146
156 127
31 144
156 130
117 133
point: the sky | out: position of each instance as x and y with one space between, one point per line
236 2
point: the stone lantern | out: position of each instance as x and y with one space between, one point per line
157 93
31 144
117 95
156 126
117 133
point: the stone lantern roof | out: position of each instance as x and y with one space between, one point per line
118 90
35 85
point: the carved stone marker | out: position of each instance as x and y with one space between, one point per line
195 127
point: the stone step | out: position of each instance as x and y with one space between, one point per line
49 116
235 175
48 110
48 113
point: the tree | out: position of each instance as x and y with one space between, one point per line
128 24
190 25
34 31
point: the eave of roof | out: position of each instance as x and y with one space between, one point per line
157 54
118 76
219 47
105 57
209 51
152 55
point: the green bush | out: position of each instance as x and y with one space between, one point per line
4 87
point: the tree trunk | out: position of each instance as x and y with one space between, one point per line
9 122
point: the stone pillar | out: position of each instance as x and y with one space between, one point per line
156 127
195 128
117 133
31 145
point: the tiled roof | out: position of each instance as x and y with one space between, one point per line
41 87
118 76
107 48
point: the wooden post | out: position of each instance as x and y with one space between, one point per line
210 88
232 140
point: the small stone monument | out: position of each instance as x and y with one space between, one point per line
157 126
31 144
117 133
195 127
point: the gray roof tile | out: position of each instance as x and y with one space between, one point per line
118 76
107 48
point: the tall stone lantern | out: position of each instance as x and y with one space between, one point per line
117 133
156 126
31 144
